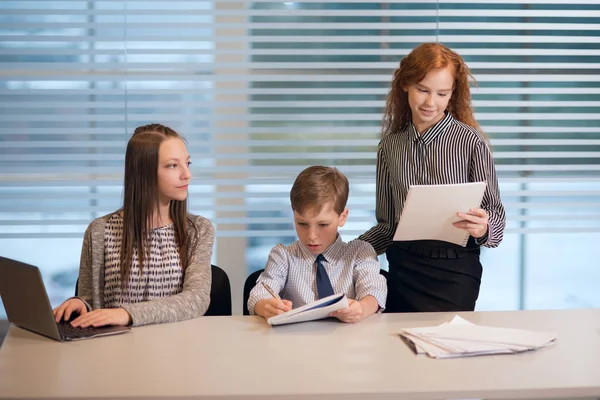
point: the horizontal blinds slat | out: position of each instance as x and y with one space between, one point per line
188 68
413 39
117 106
48 183
282 203
269 169
399 53
295 117
298 12
286 143
283 220
286 220
319 130
287 156
250 2
292 233
288 91
418 26
155 75
284 195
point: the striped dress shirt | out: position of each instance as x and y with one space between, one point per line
291 271
447 153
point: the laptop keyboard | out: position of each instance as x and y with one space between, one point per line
66 330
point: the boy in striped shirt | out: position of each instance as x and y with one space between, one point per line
319 263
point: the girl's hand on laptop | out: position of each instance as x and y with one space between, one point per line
102 317
68 308
268 308
352 313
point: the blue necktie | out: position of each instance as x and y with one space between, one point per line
324 288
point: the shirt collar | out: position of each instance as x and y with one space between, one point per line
432 133
331 253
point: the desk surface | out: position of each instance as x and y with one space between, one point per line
244 358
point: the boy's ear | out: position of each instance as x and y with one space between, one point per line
343 217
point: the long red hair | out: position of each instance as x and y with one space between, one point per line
413 69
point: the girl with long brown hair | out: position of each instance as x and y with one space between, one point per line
148 262
430 136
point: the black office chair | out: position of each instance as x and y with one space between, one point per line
220 293
248 285
386 275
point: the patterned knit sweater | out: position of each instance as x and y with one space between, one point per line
190 300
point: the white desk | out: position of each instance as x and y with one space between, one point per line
243 358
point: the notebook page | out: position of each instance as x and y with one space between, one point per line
312 311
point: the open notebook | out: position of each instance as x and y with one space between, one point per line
312 311
430 210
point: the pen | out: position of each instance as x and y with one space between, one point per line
275 295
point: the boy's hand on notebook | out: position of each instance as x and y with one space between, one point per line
475 222
68 308
353 313
268 308
102 317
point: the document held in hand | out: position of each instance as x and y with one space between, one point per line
312 311
430 210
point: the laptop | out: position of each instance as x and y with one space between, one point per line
27 305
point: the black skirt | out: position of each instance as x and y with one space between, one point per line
430 275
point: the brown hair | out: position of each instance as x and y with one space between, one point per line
413 69
317 186
140 198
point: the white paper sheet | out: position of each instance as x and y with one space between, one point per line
430 210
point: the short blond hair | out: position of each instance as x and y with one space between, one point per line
317 186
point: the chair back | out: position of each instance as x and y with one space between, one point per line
384 273
220 293
248 285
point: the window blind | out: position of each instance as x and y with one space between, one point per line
263 89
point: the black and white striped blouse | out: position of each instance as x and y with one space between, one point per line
291 271
162 275
447 153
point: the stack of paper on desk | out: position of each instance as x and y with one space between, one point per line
461 338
